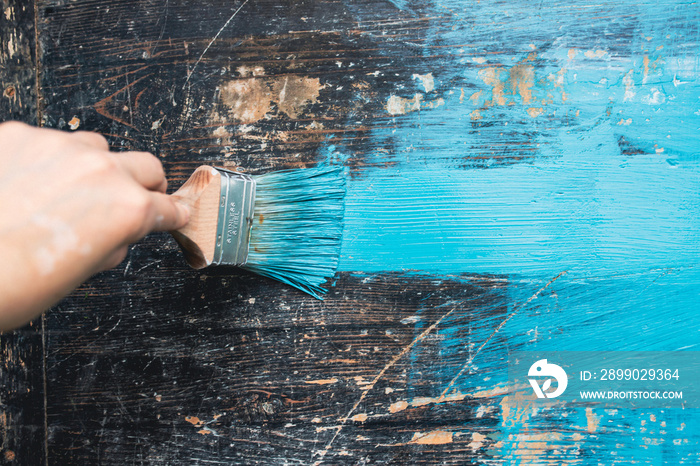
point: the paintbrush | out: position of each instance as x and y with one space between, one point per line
285 225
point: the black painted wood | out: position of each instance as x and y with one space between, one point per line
230 368
18 71
154 363
22 414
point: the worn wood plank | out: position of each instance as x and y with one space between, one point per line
257 373
22 414
18 71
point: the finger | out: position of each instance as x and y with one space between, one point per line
143 167
167 213
91 139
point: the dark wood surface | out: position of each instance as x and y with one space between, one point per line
22 403
155 363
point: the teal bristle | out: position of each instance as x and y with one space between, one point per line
298 227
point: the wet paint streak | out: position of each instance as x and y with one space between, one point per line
575 147
609 174
581 203
586 211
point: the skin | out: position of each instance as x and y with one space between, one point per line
69 208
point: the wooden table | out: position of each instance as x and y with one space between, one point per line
521 176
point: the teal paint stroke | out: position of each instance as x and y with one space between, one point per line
586 212
603 182
400 4
606 189
579 202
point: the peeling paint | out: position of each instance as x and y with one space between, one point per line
221 132
436 437
426 80
475 97
420 401
477 442
322 381
592 421
507 83
521 79
294 94
194 420
399 106
534 112
595 53
247 100
492 77
398 406
516 409
74 123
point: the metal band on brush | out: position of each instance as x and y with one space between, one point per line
236 204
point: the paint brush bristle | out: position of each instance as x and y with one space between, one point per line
298 226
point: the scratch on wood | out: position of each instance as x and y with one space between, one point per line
510 316
101 106
376 379
189 74
322 381
436 437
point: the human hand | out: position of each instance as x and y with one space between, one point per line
69 208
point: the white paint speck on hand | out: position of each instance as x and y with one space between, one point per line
45 260
61 241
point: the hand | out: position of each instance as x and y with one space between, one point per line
69 208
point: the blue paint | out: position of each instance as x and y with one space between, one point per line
578 203
586 212
400 4
581 153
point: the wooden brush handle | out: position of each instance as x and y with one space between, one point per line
200 193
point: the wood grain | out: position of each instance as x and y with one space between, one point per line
200 193
232 368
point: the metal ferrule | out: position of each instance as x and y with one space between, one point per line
236 204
